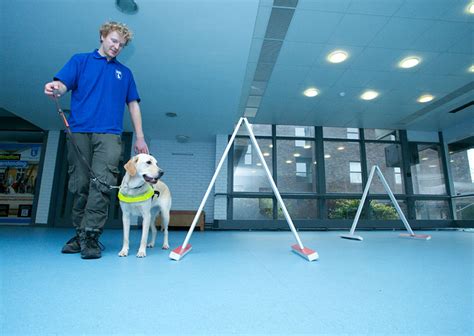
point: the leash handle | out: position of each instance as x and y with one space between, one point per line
58 107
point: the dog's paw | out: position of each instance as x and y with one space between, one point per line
123 253
151 245
141 254
165 247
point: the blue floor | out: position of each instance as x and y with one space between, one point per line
238 283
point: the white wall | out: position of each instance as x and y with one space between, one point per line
189 168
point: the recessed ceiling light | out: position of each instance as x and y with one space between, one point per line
470 8
307 146
311 92
288 161
297 155
266 154
409 62
327 156
425 98
259 164
340 148
369 95
337 56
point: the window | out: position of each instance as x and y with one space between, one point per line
249 174
341 133
388 156
338 157
426 169
355 172
248 155
295 167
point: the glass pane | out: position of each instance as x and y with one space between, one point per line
384 210
296 166
373 210
339 157
340 133
252 208
295 131
389 159
249 175
300 208
432 210
344 209
464 208
426 170
380 134
257 129
462 170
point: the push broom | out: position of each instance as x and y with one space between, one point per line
410 233
305 252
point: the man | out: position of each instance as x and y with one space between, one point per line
100 86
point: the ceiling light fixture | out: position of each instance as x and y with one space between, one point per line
127 6
471 68
311 92
425 98
369 95
337 56
470 8
409 62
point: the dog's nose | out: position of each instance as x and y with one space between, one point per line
160 173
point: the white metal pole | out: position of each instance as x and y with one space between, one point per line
394 201
272 183
213 180
362 201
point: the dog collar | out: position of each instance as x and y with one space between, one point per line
137 198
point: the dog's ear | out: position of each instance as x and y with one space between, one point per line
130 167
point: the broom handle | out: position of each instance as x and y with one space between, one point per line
272 183
213 180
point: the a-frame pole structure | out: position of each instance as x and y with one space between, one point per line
410 234
298 248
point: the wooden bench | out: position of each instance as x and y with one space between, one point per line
183 218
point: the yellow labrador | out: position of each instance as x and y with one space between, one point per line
143 194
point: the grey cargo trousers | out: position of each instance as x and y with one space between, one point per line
91 199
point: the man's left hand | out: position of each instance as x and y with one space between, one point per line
141 146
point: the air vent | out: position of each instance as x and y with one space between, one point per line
270 51
285 3
279 22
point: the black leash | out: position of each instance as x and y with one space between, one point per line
73 141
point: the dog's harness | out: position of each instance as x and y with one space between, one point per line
149 193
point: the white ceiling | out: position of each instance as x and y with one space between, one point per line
198 58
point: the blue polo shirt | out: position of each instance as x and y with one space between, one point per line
100 90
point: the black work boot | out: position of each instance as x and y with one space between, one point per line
73 245
90 245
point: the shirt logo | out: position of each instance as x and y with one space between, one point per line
118 74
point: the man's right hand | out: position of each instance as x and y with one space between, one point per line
49 88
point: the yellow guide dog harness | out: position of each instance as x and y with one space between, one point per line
137 198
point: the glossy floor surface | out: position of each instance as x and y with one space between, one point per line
238 283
